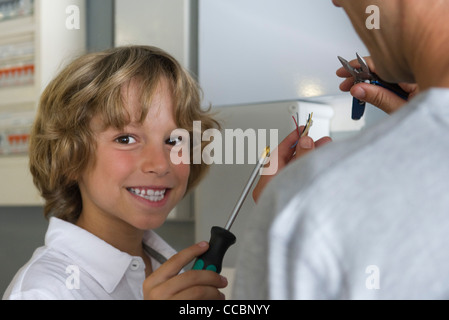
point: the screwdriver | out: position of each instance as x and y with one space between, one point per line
221 238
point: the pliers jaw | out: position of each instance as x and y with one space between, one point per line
364 74
361 74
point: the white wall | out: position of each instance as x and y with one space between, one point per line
161 23
268 50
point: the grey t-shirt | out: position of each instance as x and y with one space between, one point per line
367 218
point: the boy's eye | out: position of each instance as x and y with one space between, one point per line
126 139
174 142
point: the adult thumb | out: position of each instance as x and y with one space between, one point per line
378 96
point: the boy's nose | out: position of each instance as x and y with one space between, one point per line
155 161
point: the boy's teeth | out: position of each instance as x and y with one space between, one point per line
149 194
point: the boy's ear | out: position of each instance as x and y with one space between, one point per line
77 171
78 156
73 177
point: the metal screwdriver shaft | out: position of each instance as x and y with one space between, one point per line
245 191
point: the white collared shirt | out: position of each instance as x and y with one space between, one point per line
75 264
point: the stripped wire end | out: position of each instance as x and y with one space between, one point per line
308 126
296 123
306 130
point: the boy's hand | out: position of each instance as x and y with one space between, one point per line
376 95
284 154
167 284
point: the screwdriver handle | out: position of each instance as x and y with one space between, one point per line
220 240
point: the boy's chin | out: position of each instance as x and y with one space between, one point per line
150 223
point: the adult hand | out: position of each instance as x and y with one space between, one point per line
166 283
376 95
284 154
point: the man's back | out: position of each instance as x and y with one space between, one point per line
366 218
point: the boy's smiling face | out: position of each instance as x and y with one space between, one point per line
132 180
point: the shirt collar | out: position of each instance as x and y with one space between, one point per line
102 261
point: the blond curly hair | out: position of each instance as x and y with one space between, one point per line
62 142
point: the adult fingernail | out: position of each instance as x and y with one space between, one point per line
306 143
224 280
359 93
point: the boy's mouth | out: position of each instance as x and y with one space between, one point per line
153 195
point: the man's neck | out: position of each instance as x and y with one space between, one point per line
432 72
428 45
